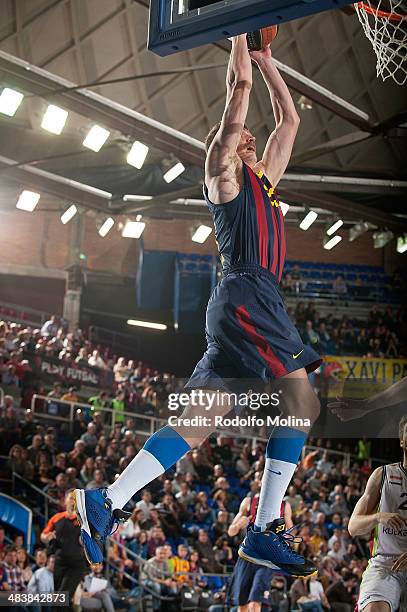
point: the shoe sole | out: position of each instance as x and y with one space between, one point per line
270 565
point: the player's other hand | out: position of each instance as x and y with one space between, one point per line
348 409
392 519
242 522
400 565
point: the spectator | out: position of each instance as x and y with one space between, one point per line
206 554
98 481
90 438
145 503
50 327
42 580
23 564
339 286
96 361
158 577
12 575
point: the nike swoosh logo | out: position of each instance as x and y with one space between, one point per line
274 472
298 354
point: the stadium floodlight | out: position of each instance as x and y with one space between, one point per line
402 244
129 197
133 229
329 244
335 225
357 230
147 324
308 220
10 100
28 200
54 119
174 172
284 207
96 138
106 227
201 234
69 214
380 239
137 154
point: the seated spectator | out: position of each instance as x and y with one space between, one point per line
206 554
156 540
98 481
42 580
159 578
179 565
12 575
40 559
145 504
90 438
50 327
339 286
96 361
101 600
310 336
132 527
139 544
24 565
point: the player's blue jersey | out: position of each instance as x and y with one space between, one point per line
250 228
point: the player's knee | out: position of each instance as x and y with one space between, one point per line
377 606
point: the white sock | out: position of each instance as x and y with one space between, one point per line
141 470
276 478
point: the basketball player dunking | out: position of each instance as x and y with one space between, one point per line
383 510
249 587
249 334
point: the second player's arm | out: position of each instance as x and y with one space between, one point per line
279 146
364 517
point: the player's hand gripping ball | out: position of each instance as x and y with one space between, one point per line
261 39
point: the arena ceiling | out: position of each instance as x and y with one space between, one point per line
356 133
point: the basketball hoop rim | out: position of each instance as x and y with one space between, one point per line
379 13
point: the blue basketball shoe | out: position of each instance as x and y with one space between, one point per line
271 549
97 520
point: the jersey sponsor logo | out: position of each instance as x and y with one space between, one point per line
395 532
298 354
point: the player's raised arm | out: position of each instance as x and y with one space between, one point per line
279 146
222 161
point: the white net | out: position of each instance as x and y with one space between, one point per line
386 28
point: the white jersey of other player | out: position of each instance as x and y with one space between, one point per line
391 541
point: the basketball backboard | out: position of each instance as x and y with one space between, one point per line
178 25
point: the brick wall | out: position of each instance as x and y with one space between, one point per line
40 239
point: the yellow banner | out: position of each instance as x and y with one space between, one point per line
359 377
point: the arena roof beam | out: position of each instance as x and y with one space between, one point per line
53 184
32 79
346 184
345 208
319 94
330 146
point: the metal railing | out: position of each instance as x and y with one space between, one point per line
24 314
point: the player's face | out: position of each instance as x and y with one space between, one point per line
246 148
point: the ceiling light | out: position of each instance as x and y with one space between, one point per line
380 239
96 138
136 198
146 324
28 200
133 229
174 172
10 100
329 244
335 225
54 119
402 244
106 227
69 214
201 233
137 154
308 220
357 230
284 207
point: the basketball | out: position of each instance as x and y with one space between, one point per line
261 39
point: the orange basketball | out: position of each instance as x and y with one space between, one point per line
260 39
